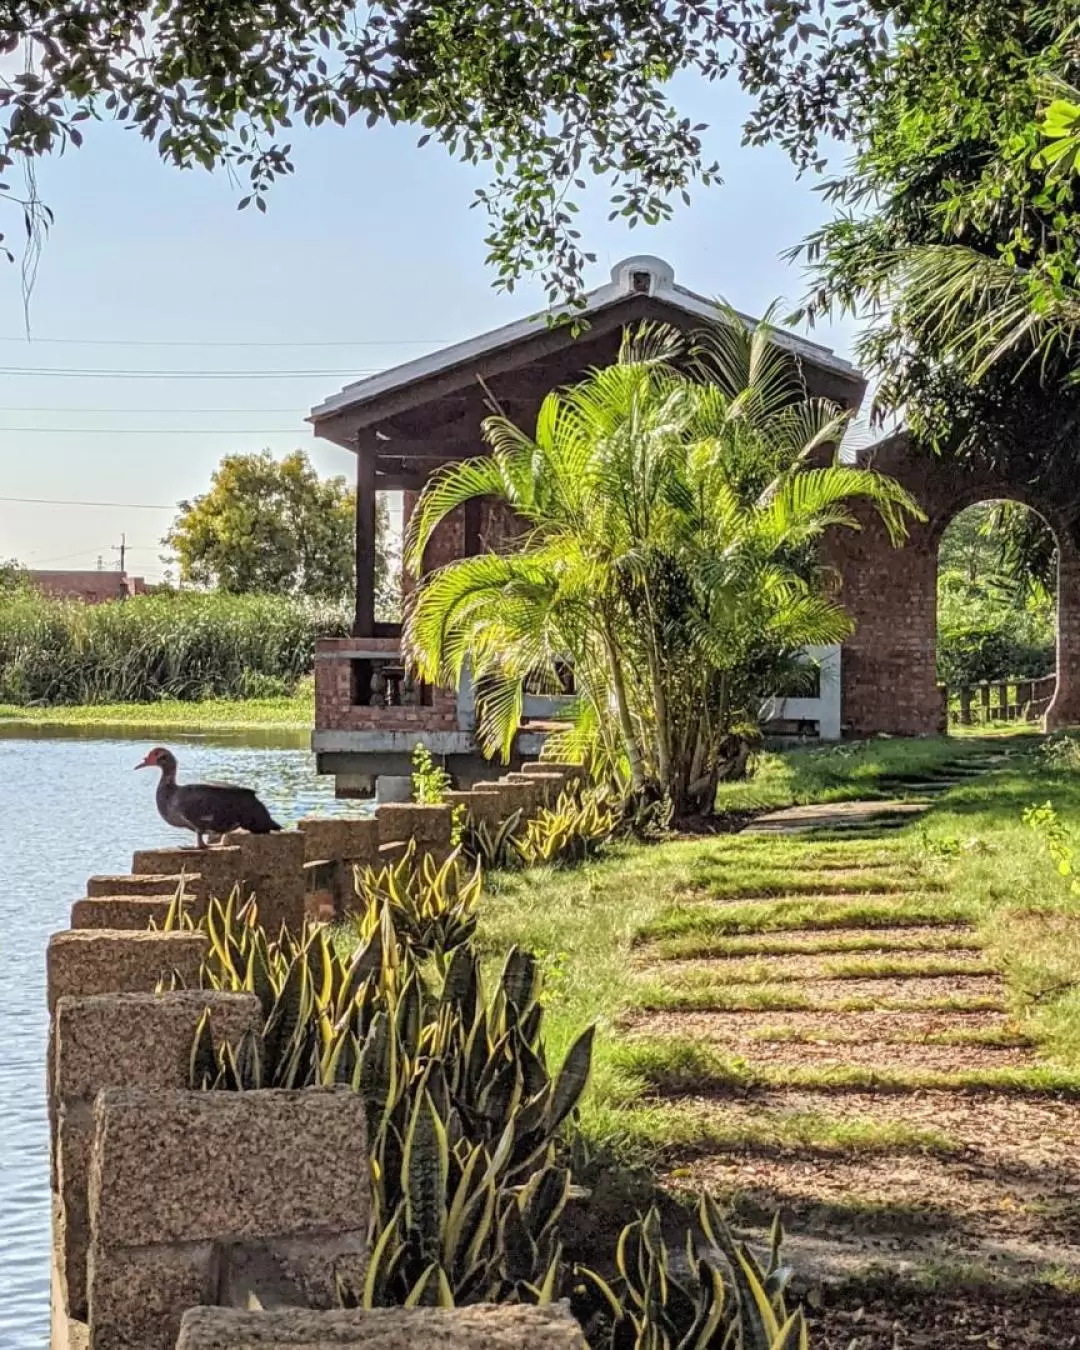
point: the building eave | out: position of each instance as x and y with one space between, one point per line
624 284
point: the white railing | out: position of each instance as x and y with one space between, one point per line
824 709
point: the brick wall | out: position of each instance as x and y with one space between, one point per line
889 666
334 708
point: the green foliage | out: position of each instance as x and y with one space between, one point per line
274 527
13 579
581 822
430 782
669 557
462 1111
492 847
1044 820
654 1303
166 646
470 1185
576 828
960 237
996 619
432 909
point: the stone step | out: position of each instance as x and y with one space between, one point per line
902 937
693 980
744 1037
814 966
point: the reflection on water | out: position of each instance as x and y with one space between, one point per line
70 806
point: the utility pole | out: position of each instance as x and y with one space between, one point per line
122 550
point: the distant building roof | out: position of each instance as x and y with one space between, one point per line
95 586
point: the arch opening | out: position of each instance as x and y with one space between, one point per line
997 619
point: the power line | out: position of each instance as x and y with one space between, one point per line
80 373
65 501
126 412
158 431
135 342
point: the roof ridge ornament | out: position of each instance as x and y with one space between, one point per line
643 274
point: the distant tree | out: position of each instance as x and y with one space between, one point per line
13 578
275 527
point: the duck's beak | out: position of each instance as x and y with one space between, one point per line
147 763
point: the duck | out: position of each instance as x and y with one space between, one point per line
205 808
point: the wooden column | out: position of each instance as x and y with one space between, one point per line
472 527
364 624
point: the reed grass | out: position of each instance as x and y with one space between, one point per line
186 647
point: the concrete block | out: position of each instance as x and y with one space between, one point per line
428 825
484 805
262 1168
272 866
483 1327
541 767
130 884
333 840
177 1175
89 961
524 797
136 1302
210 872
184 861
119 1040
120 911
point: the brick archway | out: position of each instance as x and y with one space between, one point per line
889 675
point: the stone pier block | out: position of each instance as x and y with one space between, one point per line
130 884
524 797
90 961
180 1180
483 1327
540 767
104 961
327 839
120 911
484 806
428 825
119 1040
272 866
210 872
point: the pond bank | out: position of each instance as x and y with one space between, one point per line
296 713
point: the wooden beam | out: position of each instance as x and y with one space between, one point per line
364 623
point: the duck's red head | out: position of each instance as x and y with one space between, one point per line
159 758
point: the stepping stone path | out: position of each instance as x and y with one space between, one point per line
864 1091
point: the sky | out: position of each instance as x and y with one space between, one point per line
168 329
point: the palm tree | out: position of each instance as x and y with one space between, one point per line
671 507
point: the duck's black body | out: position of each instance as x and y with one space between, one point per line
205 808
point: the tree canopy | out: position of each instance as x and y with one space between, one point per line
954 164
540 91
274 526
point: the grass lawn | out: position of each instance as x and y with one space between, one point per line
295 713
795 1022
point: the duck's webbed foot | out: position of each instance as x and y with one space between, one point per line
200 842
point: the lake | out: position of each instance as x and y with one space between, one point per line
70 807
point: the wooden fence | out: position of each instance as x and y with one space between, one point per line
999 701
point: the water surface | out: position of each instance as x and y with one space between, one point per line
70 806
